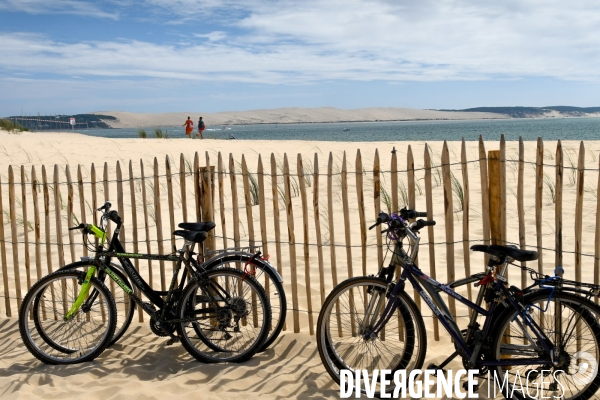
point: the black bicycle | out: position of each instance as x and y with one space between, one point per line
220 315
238 258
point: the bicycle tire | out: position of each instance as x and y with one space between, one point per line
335 354
277 297
125 304
221 324
80 339
586 339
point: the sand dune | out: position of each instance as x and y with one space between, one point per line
289 115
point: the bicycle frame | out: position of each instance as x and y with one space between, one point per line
428 288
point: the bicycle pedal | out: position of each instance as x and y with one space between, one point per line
436 368
172 340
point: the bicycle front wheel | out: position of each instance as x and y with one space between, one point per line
226 316
124 303
55 339
570 374
349 313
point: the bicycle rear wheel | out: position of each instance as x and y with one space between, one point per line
567 377
52 338
350 311
227 316
270 280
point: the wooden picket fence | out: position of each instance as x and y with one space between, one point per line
38 205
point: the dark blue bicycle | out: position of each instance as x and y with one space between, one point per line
371 323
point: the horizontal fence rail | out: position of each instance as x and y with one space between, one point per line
311 213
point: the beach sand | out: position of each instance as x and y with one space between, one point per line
142 367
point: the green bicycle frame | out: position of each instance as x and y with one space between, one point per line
83 294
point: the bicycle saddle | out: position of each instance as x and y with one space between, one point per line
192 236
506 251
197 226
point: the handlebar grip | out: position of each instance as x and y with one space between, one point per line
383 217
422 223
77 227
421 215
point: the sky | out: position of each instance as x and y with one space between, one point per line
71 56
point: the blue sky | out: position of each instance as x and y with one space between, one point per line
70 56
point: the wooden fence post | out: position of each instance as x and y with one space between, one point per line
146 224
360 196
70 194
558 260
262 208
303 198
182 175
292 241
197 185
276 218
331 221
57 214
134 229
26 227
248 202
466 208
539 187
377 206
81 200
521 206
449 222
234 203
430 234
13 232
158 222
207 191
35 187
3 255
317 217
597 236
412 205
347 236
485 199
169 176
495 193
579 211
220 175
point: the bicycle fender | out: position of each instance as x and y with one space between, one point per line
272 268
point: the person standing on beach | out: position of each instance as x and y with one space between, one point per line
189 127
201 127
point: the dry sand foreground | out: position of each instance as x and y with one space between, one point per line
141 367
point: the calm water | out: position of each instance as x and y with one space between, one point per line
529 129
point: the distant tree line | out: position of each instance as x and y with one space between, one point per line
528 112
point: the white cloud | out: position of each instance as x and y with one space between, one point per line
296 42
73 7
212 36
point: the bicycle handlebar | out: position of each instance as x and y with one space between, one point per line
105 207
404 214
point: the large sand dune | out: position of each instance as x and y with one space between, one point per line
288 116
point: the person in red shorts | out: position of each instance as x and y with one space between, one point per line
201 127
189 127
